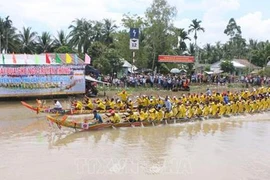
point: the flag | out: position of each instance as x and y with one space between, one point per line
3 58
68 58
37 61
75 59
57 59
48 61
25 58
14 59
87 59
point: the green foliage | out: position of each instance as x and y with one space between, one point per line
227 67
63 49
207 68
265 72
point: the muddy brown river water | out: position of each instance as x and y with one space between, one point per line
228 148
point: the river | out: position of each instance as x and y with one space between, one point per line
229 148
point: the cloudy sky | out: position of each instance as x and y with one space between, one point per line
53 15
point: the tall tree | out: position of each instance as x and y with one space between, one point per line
27 40
195 27
236 44
159 18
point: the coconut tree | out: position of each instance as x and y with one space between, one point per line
8 36
45 43
81 34
108 29
183 36
61 39
27 40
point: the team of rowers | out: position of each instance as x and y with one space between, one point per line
186 106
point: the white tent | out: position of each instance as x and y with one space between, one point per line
131 68
89 78
268 64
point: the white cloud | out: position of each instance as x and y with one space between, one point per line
52 15
254 26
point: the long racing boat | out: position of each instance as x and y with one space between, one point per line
48 110
82 125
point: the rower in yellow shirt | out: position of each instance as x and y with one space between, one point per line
143 115
247 107
120 105
145 101
181 111
112 103
101 105
79 105
190 111
152 114
123 95
228 109
90 104
198 110
222 109
131 116
160 114
130 104
214 109
114 117
206 110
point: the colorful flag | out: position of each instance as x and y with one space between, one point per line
14 59
75 59
3 58
37 61
57 59
87 59
68 58
25 58
48 61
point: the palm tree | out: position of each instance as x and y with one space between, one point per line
195 27
8 36
45 42
81 34
27 40
7 28
61 39
183 35
108 28
1 33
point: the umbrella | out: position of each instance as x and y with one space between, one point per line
175 71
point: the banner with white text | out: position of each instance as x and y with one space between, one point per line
34 80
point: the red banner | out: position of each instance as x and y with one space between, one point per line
176 59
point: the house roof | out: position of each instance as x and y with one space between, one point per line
246 63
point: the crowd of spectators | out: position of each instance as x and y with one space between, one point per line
171 81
